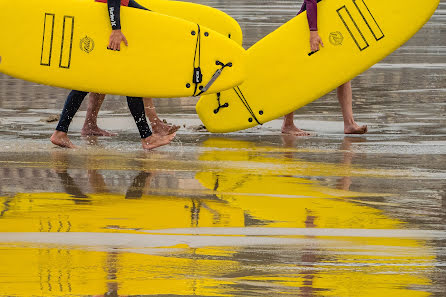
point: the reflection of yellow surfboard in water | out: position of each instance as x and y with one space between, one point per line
53 271
278 201
64 44
199 14
284 200
56 271
38 212
283 76
337 266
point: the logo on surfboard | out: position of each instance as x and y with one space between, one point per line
87 44
336 38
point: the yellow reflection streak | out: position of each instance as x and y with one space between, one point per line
270 194
367 267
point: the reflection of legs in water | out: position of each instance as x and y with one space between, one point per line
6 206
289 141
112 271
158 126
97 182
216 216
135 191
309 255
310 259
345 182
197 205
60 161
95 178
72 188
195 213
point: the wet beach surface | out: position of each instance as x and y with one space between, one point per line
252 213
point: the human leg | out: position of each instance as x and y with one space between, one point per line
345 98
158 126
90 127
288 126
72 104
149 141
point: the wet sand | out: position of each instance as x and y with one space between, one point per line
252 213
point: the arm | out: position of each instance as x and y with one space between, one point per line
116 37
114 12
311 6
315 39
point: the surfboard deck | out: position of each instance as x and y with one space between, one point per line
64 44
282 76
204 15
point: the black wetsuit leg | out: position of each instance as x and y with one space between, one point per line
136 106
72 104
74 101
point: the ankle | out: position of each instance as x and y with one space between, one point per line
349 122
58 133
157 121
288 125
90 124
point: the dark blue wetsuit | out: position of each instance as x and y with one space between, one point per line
136 104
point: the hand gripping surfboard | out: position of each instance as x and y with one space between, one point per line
64 44
283 75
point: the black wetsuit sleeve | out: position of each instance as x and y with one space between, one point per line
134 4
114 11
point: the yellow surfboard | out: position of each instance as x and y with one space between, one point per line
64 44
204 15
283 75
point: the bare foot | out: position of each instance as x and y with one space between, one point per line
164 129
293 130
355 129
156 140
61 139
95 131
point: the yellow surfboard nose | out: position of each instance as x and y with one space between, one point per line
284 75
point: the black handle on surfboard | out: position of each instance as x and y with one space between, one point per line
312 53
215 76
